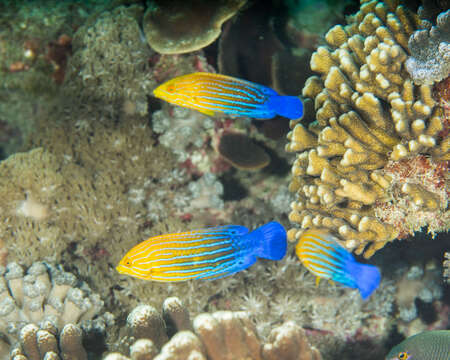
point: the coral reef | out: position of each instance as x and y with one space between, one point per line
202 195
50 202
418 282
38 303
35 41
223 335
110 60
447 267
46 342
105 166
71 202
206 144
97 180
181 129
371 122
113 66
430 51
185 26
425 184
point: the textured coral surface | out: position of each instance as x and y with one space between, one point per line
430 51
377 154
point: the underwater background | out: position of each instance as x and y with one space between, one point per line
91 164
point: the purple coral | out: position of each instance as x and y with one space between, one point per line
430 51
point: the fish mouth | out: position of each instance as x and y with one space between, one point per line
121 269
157 92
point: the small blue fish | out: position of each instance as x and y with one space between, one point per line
209 253
326 258
210 93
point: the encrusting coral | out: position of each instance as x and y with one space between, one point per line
430 51
179 27
223 335
371 121
38 304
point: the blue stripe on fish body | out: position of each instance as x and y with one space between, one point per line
203 254
188 257
211 93
329 260
326 258
237 98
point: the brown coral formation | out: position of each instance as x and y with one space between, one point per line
369 114
223 335
45 342
51 298
178 27
242 152
280 344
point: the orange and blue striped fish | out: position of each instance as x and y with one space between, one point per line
322 254
209 253
210 93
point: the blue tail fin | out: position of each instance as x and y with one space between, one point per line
290 107
367 277
270 241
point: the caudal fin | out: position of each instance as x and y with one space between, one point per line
290 107
367 278
270 241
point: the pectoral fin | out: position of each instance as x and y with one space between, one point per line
207 112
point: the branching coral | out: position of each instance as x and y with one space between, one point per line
369 114
36 305
430 51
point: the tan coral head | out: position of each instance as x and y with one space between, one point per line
181 26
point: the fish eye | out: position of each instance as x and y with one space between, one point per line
127 262
171 88
403 356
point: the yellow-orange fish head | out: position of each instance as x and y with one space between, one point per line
133 264
124 266
167 90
